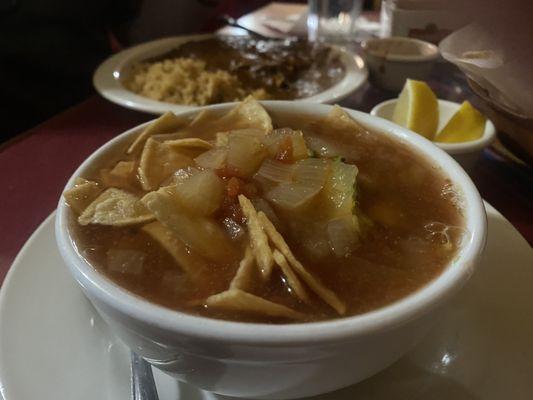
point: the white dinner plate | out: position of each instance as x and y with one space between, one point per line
107 81
53 345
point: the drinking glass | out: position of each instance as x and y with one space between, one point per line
332 20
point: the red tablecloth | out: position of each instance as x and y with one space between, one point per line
34 166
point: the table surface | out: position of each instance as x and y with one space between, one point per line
35 165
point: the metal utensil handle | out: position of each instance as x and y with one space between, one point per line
233 22
142 379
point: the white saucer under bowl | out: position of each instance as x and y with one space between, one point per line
107 77
54 346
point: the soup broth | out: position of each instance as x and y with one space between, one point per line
400 226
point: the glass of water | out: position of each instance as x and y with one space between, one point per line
333 20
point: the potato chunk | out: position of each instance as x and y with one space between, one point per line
202 234
201 193
245 152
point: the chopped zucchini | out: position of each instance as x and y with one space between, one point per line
340 190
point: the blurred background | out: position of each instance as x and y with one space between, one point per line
50 49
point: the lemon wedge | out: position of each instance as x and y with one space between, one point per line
465 125
417 109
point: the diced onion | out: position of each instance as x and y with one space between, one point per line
275 171
276 137
343 235
324 147
318 245
261 204
311 172
308 180
213 159
292 195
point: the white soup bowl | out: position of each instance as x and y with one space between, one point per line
266 361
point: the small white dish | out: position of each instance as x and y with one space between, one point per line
466 153
107 77
393 60
54 345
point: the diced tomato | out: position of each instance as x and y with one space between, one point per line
227 172
231 209
236 214
233 187
284 153
249 190
236 186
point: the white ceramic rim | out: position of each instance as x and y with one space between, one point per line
489 134
106 78
382 319
433 53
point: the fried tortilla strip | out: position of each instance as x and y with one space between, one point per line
188 143
222 139
192 264
242 278
316 286
123 169
166 123
203 117
260 247
121 176
158 162
81 194
338 122
247 114
238 300
115 207
292 279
